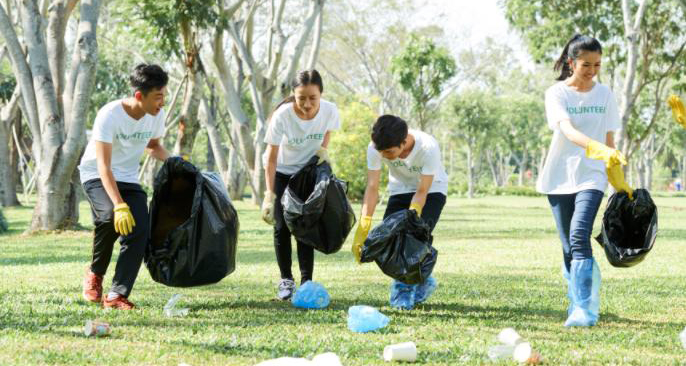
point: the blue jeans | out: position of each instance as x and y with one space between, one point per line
574 215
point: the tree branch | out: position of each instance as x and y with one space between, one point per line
23 75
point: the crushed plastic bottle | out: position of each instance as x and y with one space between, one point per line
363 318
311 295
170 309
500 352
682 335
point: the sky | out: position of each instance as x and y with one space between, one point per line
471 22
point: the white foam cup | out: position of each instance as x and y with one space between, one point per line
522 352
400 352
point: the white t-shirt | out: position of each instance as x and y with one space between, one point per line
404 174
128 137
299 139
594 113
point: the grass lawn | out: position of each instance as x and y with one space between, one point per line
498 266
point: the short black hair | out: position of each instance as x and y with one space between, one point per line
389 131
146 77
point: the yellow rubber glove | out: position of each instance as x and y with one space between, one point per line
123 219
323 155
615 176
268 207
417 207
678 110
360 236
597 151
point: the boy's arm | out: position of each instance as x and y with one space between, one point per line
371 197
123 219
371 193
419 198
157 150
103 157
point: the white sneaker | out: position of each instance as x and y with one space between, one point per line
286 289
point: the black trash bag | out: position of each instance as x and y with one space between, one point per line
629 228
316 209
401 247
193 227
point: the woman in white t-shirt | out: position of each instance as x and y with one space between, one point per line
299 129
583 116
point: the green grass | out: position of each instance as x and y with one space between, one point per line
498 266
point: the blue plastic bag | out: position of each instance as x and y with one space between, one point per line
363 318
311 295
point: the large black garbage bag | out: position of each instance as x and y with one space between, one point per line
193 227
316 209
401 247
629 228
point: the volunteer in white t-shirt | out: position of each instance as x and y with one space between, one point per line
417 181
299 129
583 116
123 130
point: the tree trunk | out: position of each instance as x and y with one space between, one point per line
238 177
8 114
14 164
470 172
632 28
188 122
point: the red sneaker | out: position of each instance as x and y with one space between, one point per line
92 287
119 302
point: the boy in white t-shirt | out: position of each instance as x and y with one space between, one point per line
581 159
123 130
417 181
299 129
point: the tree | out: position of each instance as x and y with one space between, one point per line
354 60
522 119
54 104
472 120
422 69
180 23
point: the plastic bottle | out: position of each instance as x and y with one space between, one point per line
363 318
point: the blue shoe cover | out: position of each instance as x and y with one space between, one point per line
402 295
565 274
425 290
584 279
311 295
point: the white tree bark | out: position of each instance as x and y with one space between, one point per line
8 114
632 28
316 7
57 141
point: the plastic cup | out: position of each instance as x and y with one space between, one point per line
509 336
401 352
96 329
522 352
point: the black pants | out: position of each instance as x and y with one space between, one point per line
132 245
282 238
430 213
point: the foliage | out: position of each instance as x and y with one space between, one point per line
348 147
111 82
170 17
423 68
